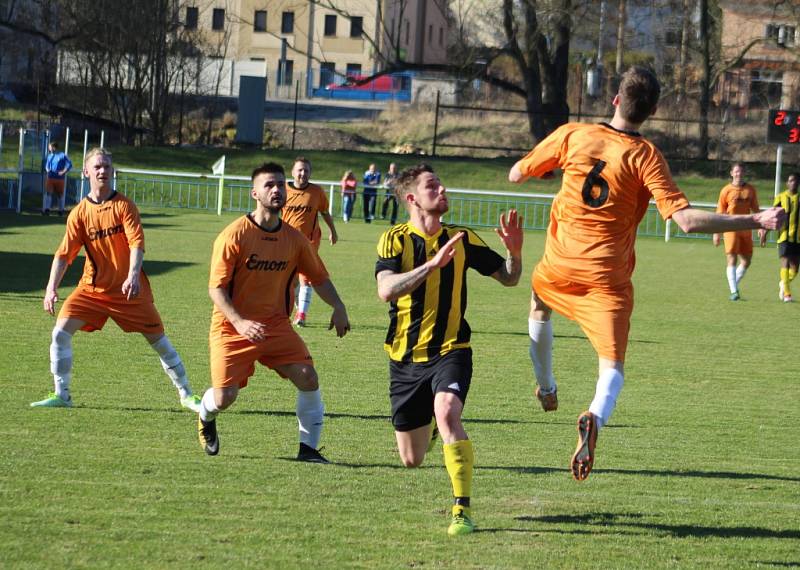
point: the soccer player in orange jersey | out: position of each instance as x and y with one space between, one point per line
610 172
738 197
253 270
106 224
304 203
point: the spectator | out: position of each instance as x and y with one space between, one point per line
56 166
389 183
372 179
349 185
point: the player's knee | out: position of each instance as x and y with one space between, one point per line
411 459
306 379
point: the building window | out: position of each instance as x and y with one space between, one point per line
191 18
287 23
218 19
330 25
766 88
356 26
260 21
430 34
327 74
441 37
781 34
354 70
672 38
285 72
408 31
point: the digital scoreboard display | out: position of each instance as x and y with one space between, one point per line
783 127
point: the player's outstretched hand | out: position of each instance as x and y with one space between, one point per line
771 218
50 300
339 321
715 240
446 252
762 237
251 330
510 232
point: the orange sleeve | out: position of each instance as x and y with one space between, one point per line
133 226
73 238
546 155
659 182
754 207
324 206
722 202
223 261
309 263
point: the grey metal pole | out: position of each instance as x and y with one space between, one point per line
435 124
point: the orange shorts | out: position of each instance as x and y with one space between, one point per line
137 315
315 242
233 357
604 313
54 186
739 243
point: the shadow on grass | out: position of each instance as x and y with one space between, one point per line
648 473
27 272
632 520
382 328
9 220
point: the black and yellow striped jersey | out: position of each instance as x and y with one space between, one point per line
430 320
791 228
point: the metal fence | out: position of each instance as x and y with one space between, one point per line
474 208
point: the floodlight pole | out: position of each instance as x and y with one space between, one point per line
778 165
20 165
85 148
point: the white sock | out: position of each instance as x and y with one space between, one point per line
740 271
61 362
310 412
304 298
172 365
609 385
731 273
541 353
208 406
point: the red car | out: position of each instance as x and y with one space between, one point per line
382 83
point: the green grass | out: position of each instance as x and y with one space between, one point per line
697 469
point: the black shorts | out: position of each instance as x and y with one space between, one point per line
414 384
789 249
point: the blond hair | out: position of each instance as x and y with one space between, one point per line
97 151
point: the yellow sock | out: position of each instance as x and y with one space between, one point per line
792 274
786 277
459 459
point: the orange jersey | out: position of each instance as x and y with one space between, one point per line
108 231
609 178
737 200
302 208
258 268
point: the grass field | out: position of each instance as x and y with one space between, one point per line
697 469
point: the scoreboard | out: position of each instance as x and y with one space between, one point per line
783 127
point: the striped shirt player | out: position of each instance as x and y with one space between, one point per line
422 272
106 225
789 236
